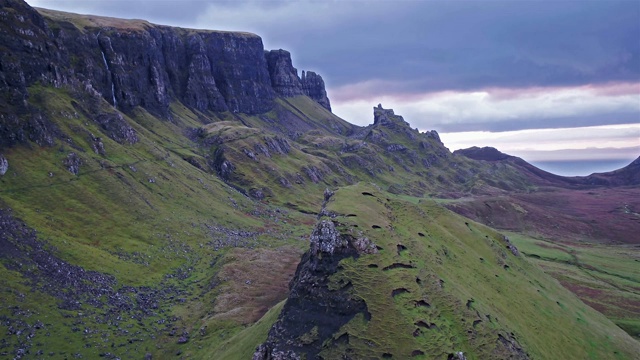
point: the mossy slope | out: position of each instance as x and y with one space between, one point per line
440 285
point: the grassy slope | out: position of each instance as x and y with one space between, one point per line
111 218
606 277
469 260
583 238
141 212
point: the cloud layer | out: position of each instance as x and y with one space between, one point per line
500 109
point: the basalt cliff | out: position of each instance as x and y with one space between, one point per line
133 64
170 192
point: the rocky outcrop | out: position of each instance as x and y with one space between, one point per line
313 87
387 118
114 125
73 163
314 311
88 293
285 80
4 165
284 77
32 126
510 246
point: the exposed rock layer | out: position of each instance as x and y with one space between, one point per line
313 307
285 80
141 64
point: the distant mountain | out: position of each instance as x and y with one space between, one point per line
164 190
627 176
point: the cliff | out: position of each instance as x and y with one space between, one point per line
132 63
286 82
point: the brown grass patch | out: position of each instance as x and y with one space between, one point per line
254 281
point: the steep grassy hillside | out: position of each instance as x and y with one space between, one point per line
606 277
586 239
134 241
440 285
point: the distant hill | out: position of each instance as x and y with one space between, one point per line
627 176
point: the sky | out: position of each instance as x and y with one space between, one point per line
544 80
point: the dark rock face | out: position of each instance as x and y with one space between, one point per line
313 87
4 165
313 309
285 80
284 77
31 126
114 125
141 65
73 163
223 167
200 90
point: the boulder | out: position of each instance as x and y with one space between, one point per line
4 165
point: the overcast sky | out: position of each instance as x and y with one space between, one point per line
478 72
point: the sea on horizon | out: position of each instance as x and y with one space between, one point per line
580 167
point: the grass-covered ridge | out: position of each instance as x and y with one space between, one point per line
441 284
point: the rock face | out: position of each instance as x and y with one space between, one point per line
140 64
387 118
314 311
285 80
313 87
4 165
284 77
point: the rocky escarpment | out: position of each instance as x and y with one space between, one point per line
284 77
388 119
131 63
286 82
313 86
316 309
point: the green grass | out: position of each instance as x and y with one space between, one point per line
606 277
468 260
110 214
243 344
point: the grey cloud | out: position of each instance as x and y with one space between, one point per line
532 123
